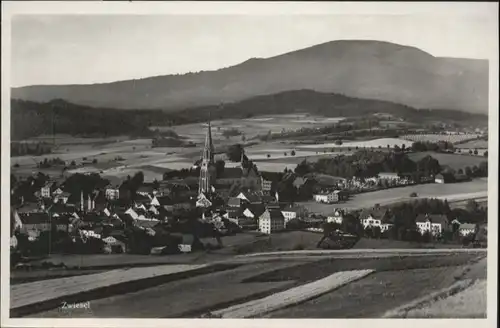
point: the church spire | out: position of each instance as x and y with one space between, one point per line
208 151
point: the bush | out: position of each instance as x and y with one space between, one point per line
413 194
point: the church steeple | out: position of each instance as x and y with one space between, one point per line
208 159
208 151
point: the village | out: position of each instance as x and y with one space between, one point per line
87 214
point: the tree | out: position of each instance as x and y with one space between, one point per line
302 168
232 132
293 153
94 161
338 142
485 154
460 171
268 155
285 154
475 152
243 138
470 151
234 152
468 171
472 206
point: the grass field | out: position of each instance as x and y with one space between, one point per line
455 161
455 191
474 144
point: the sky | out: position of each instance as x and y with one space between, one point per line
82 49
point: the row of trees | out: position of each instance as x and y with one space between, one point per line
29 148
365 164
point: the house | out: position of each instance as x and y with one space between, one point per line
62 197
293 212
163 201
390 176
330 196
27 208
47 189
61 209
146 190
336 217
112 192
434 224
466 229
377 217
113 245
37 222
245 219
57 192
266 185
203 201
271 221
250 197
235 202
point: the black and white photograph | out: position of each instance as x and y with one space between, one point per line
251 161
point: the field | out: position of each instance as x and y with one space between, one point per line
454 161
474 144
375 143
454 191
121 156
251 127
453 138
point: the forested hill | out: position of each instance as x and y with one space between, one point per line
326 104
30 119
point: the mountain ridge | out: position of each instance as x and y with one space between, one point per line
356 68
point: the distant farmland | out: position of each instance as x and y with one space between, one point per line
453 138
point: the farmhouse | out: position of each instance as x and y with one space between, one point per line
466 229
336 217
292 212
271 221
377 217
432 223
329 196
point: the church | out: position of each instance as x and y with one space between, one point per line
246 175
